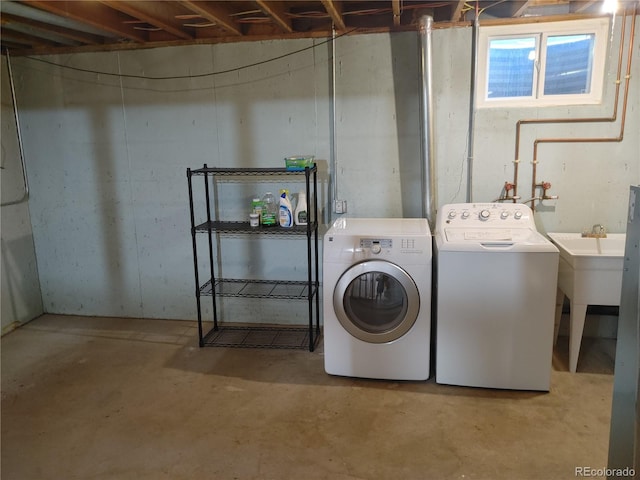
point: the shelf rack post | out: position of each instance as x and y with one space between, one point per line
280 336
195 258
316 224
309 278
213 286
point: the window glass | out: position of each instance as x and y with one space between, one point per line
542 64
569 64
511 67
376 302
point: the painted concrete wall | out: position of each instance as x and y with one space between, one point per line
107 157
20 287
591 179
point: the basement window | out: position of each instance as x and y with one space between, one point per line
559 63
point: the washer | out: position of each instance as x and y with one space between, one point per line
496 288
377 298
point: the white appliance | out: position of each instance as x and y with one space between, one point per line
377 298
496 289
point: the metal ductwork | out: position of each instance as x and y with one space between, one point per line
425 27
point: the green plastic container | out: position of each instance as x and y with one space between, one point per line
298 162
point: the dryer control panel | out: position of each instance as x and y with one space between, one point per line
501 215
377 243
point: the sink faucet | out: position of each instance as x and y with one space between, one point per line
597 231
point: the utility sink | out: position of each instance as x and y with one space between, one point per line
589 273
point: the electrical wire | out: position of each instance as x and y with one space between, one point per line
482 10
469 7
208 74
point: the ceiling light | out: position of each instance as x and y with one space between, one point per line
610 6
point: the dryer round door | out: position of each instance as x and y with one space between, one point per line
376 301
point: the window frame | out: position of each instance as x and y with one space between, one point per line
598 27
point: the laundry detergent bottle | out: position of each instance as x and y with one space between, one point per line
300 215
286 211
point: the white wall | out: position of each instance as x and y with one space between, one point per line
21 300
107 158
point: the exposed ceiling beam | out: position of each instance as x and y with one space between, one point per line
25 39
547 3
334 9
277 12
13 45
395 6
82 37
214 13
518 8
105 25
456 10
154 13
91 13
581 5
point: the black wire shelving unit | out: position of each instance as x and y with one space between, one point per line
257 336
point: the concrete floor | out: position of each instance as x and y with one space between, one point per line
98 398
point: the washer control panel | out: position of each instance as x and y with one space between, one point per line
485 214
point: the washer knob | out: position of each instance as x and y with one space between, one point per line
452 214
517 215
504 214
485 214
376 248
465 214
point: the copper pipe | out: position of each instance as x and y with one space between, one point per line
619 138
531 121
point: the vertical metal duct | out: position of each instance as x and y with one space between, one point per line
425 26
472 107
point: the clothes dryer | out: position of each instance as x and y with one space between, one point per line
377 298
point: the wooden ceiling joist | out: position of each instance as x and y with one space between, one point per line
548 3
91 13
154 13
13 45
518 8
395 7
75 35
334 9
216 14
456 10
25 39
581 5
68 26
277 12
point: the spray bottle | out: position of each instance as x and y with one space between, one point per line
286 211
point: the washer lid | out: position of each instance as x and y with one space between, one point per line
492 235
496 239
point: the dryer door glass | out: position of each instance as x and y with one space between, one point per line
376 301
